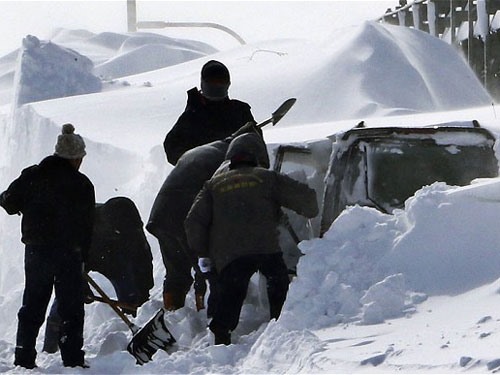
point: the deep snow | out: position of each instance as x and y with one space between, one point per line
416 291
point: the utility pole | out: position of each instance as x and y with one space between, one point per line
452 23
471 30
131 16
484 21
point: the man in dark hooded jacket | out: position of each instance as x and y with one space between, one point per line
166 221
232 227
210 115
57 203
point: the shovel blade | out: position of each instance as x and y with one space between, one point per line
153 336
282 110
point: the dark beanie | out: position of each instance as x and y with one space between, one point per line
215 69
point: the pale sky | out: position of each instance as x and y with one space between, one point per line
252 20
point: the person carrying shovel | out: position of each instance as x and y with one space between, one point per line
210 116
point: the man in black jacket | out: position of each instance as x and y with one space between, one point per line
57 204
232 227
209 115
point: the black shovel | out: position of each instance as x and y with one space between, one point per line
279 113
147 340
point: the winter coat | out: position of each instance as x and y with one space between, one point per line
181 187
120 250
57 203
237 213
204 121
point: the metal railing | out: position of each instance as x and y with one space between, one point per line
445 19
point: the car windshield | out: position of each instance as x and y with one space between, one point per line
397 168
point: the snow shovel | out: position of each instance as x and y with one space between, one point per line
111 304
147 340
279 113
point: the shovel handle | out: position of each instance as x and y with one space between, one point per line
107 300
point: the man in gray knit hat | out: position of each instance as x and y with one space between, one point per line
57 204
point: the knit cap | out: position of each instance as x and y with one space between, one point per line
215 81
215 70
70 145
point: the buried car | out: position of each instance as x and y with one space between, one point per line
381 167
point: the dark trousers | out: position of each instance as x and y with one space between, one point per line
232 284
178 264
48 268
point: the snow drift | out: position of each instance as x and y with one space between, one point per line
47 71
370 267
391 70
346 78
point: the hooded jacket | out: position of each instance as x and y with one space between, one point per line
237 213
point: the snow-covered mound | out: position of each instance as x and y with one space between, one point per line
386 70
47 71
139 52
369 265
345 79
113 55
119 54
370 70
143 59
108 50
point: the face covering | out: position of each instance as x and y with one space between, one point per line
214 90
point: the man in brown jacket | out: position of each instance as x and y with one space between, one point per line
232 228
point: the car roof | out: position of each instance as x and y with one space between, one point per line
401 132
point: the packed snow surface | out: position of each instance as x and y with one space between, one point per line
416 291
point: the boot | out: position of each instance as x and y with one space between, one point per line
200 301
74 358
173 301
52 334
81 364
222 338
25 358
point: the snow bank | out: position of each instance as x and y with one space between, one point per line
392 70
113 55
143 59
344 79
47 71
372 266
371 70
120 54
145 52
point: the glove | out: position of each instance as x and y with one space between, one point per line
249 127
205 265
